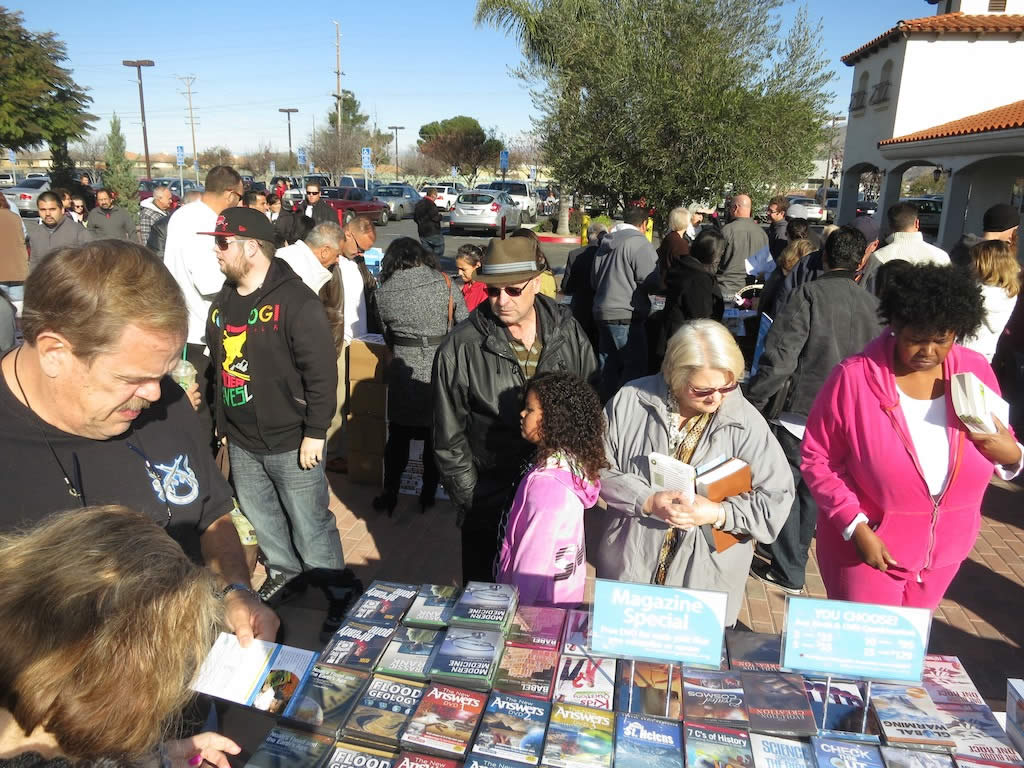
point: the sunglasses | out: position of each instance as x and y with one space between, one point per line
494 291
709 392
222 242
311 193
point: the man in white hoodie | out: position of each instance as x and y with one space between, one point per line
152 209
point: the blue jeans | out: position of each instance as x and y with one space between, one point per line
289 507
434 243
622 354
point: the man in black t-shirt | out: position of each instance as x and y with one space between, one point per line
89 416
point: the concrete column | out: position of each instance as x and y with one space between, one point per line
991 182
890 195
849 193
954 206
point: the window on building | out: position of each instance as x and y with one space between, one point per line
858 99
996 6
880 91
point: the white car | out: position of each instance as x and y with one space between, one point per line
814 210
484 209
522 192
446 193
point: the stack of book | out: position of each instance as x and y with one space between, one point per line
444 722
382 712
512 729
410 653
485 606
432 608
468 658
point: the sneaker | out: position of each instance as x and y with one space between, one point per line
280 587
337 607
760 550
763 572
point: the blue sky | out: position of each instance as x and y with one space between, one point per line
408 63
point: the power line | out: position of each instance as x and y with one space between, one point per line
188 80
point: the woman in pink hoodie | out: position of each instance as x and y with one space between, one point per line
897 477
543 552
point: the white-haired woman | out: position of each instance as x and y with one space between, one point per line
692 410
675 245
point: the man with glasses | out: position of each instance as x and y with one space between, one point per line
777 237
315 207
270 342
187 256
479 379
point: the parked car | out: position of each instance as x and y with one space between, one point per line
289 181
831 209
37 175
401 199
484 209
22 196
146 187
352 201
8 179
176 185
317 178
866 207
446 193
929 212
522 192
814 210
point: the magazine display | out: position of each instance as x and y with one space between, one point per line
647 742
444 721
432 608
716 745
776 752
527 671
513 728
589 682
285 748
326 699
651 688
579 737
777 703
714 697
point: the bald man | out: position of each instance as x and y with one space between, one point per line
744 241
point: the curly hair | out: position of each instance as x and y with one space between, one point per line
572 421
933 299
405 253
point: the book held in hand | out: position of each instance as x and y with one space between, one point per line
326 698
777 704
285 748
587 681
710 746
647 742
537 626
714 696
512 728
444 721
730 478
776 752
975 403
432 607
527 671
579 737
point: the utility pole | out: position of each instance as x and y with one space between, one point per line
288 112
396 129
337 100
139 64
188 80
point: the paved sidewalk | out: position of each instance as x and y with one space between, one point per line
981 621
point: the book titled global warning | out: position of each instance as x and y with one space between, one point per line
776 752
432 607
716 745
384 602
647 742
512 728
326 698
907 716
444 721
285 748
579 737
777 704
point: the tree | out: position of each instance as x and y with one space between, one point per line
119 177
89 150
418 168
351 117
39 101
671 100
459 142
339 150
212 156
259 160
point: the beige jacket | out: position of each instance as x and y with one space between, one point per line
13 254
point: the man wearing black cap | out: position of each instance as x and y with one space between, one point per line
1000 222
271 345
479 379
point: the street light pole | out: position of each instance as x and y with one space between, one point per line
396 129
139 64
288 112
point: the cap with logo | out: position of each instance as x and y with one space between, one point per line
243 222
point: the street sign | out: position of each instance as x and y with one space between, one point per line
533 172
180 155
367 158
195 164
503 160
455 171
273 167
302 156
11 157
312 168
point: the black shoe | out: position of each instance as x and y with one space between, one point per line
427 501
762 571
281 587
342 589
387 500
760 550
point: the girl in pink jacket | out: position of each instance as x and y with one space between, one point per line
897 477
543 552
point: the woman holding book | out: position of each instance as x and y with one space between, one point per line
106 622
692 411
897 476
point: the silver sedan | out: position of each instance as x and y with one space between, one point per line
401 199
22 198
484 209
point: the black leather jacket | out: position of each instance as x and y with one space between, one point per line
478 394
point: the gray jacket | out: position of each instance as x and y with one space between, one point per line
42 240
625 269
115 224
743 238
414 302
638 423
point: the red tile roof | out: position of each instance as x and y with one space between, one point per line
996 23
998 119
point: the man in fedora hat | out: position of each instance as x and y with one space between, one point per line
479 379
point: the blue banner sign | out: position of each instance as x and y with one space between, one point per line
855 640
646 621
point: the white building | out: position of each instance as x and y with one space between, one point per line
943 90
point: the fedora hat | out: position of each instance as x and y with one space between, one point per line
509 261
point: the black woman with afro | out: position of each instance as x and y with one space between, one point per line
897 475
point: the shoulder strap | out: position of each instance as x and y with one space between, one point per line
451 301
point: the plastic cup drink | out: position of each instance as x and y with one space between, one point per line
184 374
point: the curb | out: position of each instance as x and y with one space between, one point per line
549 238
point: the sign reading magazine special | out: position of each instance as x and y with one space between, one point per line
647 621
855 640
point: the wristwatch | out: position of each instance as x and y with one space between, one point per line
237 587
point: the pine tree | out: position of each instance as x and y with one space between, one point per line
119 177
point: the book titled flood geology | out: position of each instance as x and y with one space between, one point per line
382 712
347 755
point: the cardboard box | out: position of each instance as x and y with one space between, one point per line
366 434
368 399
366 468
366 361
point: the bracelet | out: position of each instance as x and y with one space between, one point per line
237 587
720 520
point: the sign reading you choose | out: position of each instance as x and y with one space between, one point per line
646 621
855 640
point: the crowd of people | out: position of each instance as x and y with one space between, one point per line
146 371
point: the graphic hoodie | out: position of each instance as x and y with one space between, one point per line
543 552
